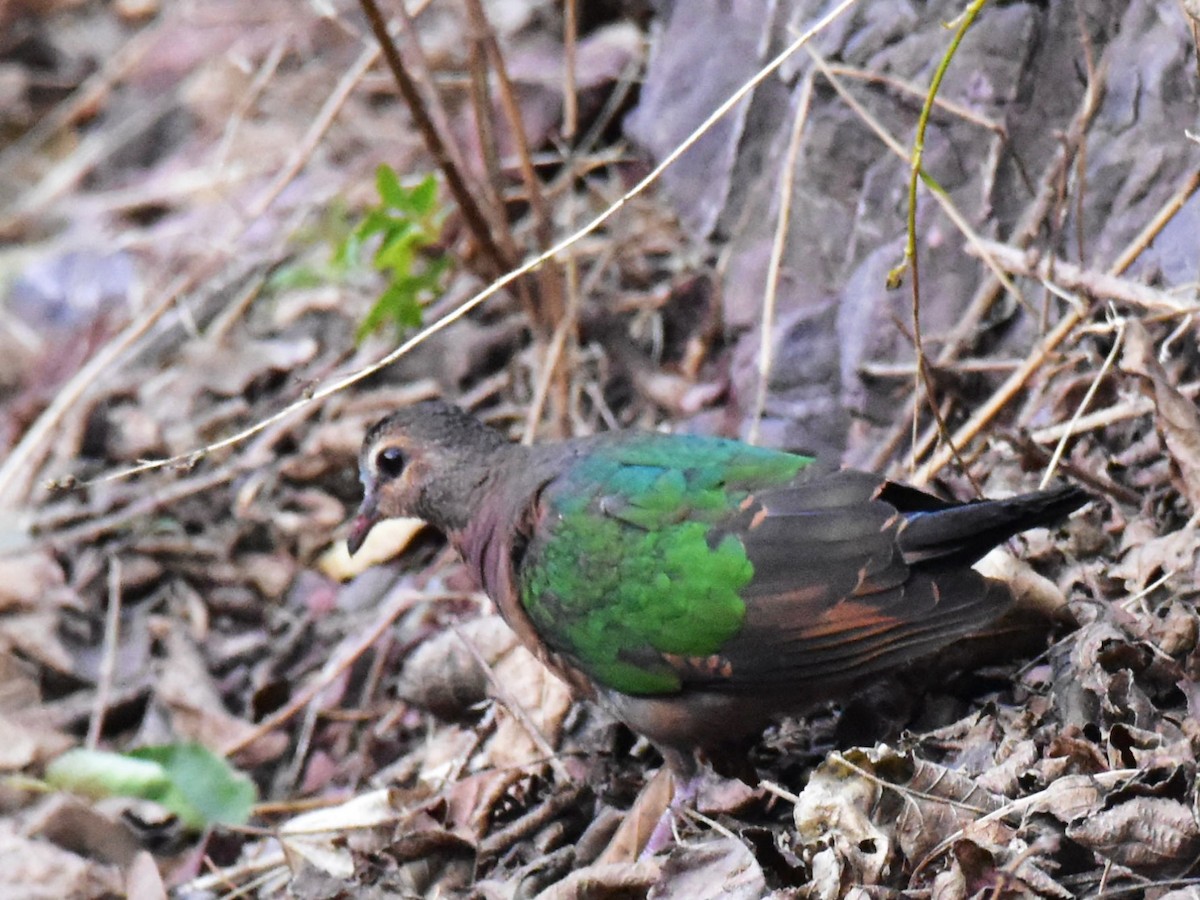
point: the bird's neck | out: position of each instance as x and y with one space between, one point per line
502 506
452 499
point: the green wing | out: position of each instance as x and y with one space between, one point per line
626 573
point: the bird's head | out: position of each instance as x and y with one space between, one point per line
430 460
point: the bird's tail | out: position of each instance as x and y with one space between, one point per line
959 534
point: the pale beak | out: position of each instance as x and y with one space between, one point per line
363 522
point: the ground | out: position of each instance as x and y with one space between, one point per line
179 193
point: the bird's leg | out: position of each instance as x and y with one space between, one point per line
687 777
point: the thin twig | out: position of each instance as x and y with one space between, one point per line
515 709
1132 408
18 467
1015 382
903 87
1084 404
108 664
432 98
893 144
86 96
570 96
491 188
27 455
312 137
247 99
923 378
787 178
1069 277
541 390
1026 231
548 310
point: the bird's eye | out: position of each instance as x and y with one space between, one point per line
389 462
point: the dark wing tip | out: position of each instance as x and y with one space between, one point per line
959 535
1053 504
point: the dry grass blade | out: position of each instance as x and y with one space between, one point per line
1083 405
108 665
778 244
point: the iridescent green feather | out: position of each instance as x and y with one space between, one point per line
622 569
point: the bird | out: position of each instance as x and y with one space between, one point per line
697 587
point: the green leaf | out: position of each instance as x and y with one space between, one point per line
198 786
401 301
423 197
374 222
374 318
391 191
396 251
294 277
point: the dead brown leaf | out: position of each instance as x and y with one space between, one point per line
1176 554
31 581
836 830
1176 416
719 868
638 824
38 870
604 881
1144 833
541 701
35 636
187 693
85 829
443 676
1069 798
325 838
29 743
143 880
871 801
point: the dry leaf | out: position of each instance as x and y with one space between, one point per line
185 688
319 838
32 580
29 743
1175 415
604 880
387 540
38 870
866 805
1177 553
443 676
86 829
1031 591
652 802
143 880
542 698
719 868
1144 833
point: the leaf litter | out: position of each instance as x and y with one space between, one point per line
400 740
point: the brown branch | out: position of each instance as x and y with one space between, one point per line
477 223
1097 285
